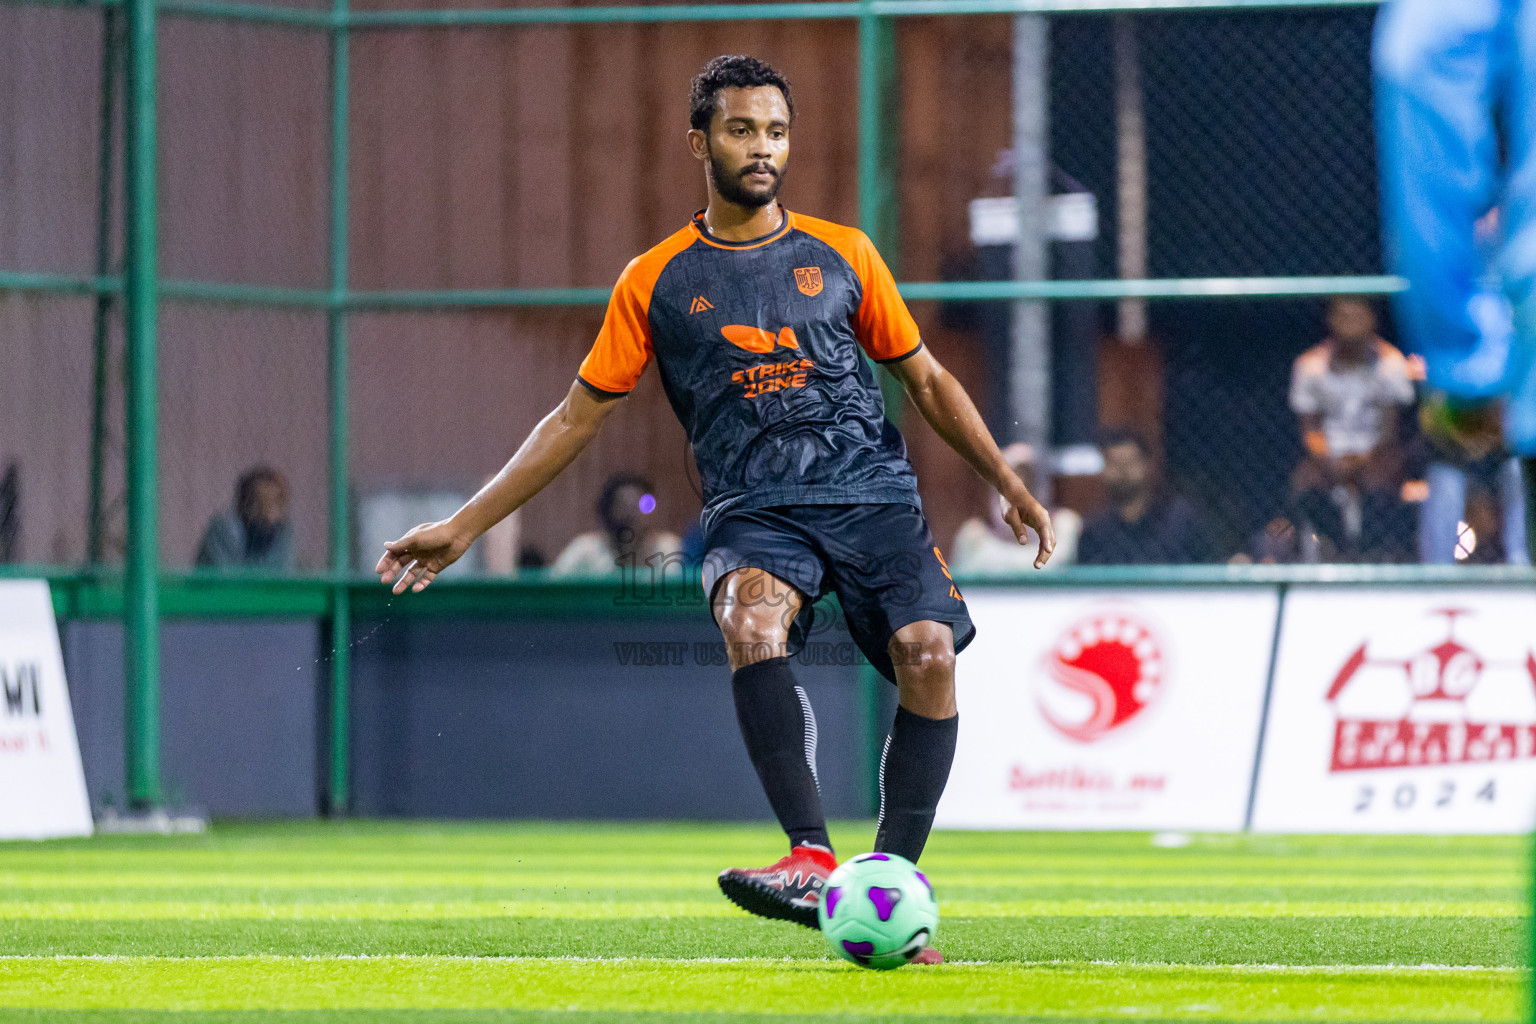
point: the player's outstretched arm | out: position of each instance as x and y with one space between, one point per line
949 410
415 560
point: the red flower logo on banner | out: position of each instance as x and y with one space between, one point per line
1102 672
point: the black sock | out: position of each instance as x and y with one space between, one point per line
913 770
780 730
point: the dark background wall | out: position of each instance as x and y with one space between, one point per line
239 714
466 718
540 719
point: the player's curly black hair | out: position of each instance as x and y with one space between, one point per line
726 72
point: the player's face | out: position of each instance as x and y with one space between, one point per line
747 145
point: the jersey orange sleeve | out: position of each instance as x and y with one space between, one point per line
623 347
883 323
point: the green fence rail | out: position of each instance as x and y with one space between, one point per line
142 594
912 291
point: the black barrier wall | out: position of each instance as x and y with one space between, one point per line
548 718
562 719
239 714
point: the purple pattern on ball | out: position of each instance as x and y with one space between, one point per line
924 879
873 856
885 900
865 949
833 895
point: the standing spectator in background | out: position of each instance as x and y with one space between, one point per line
1465 457
1347 392
1448 72
1462 462
625 540
1144 524
989 545
254 533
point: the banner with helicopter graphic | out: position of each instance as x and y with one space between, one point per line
1402 711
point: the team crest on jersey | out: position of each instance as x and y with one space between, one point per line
808 279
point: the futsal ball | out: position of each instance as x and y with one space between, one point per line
878 910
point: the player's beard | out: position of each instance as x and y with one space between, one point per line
729 184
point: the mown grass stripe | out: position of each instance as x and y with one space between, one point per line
1146 940
529 853
693 879
1101 991
776 961
141 910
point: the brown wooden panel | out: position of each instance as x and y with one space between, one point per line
480 158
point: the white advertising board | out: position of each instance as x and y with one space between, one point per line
1097 709
42 785
1410 710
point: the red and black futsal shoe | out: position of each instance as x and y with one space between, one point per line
787 891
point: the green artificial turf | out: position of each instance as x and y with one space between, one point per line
418 922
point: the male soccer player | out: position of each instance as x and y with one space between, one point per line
756 317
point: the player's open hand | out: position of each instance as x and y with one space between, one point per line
1022 514
415 560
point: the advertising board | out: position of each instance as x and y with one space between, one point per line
1098 709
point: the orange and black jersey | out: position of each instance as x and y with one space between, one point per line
758 346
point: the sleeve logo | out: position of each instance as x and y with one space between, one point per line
808 280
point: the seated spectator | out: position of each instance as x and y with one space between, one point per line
1465 460
1275 544
1346 393
988 545
1144 524
624 541
254 533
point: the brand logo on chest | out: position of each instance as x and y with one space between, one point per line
755 339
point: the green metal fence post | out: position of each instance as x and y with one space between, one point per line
336 338
141 304
877 158
877 219
877 135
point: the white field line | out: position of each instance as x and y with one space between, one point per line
427 958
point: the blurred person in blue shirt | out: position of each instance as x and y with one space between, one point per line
1456 126
254 532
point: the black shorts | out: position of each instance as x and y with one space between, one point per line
879 559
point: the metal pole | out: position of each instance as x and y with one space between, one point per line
877 159
877 135
1029 383
1131 172
141 304
336 340
877 219
96 527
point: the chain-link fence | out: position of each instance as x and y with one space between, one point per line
495 157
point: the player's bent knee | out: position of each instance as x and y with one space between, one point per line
752 635
932 668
